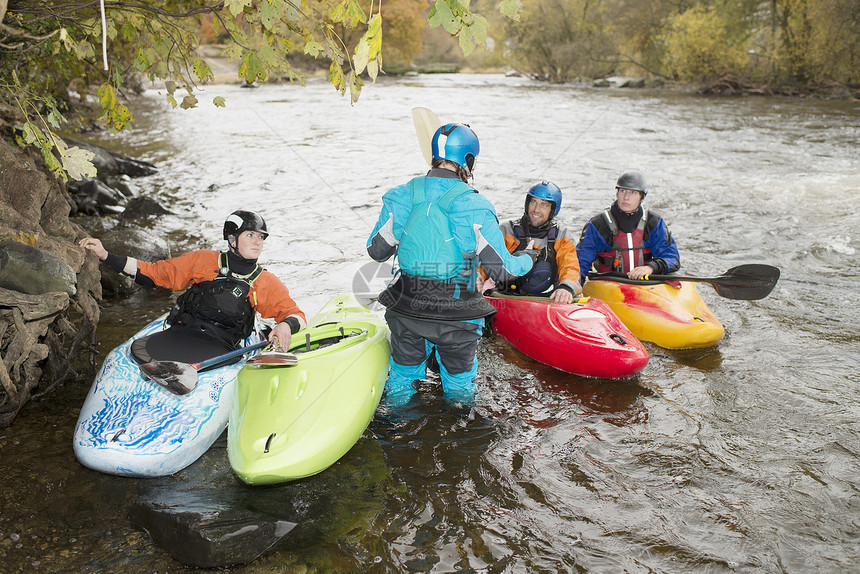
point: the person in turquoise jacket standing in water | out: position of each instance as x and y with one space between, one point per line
441 230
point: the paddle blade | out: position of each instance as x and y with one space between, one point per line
426 124
274 359
749 282
178 378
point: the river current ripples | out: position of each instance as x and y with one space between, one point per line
741 458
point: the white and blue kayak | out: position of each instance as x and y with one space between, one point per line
132 426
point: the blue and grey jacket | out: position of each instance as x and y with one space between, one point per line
475 228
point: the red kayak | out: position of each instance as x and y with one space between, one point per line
584 338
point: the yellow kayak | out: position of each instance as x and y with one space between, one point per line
671 315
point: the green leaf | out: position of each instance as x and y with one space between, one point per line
233 53
31 133
373 70
236 6
349 13
335 76
78 163
355 84
219 102
511 9
374 35
442 14
292 11
107 96
362 52
188 102
55 119
85 51
202 70
268 59
269 14
50 159
251 68
313 48
474 35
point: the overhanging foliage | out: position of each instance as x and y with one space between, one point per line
48 46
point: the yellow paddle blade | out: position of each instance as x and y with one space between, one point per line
426 124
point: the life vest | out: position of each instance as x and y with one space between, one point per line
544 273
436 280
626 250
223 308
427 247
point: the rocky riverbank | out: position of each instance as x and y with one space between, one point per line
49 287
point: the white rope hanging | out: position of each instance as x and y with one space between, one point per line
104 35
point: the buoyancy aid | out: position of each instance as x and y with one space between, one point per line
427 246
436 280
626 249
223 308
544 273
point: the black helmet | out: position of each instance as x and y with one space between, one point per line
632 180
240 221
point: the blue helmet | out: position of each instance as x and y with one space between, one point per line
458 143
548 191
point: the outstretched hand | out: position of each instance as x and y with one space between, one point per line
95 246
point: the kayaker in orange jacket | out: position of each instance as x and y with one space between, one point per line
224 291
556 271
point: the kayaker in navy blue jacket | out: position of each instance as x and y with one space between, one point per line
441 230
627 236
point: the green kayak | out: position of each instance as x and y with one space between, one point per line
289 422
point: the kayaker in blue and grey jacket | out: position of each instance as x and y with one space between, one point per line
627 236
441 230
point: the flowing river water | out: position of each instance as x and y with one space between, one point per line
741 458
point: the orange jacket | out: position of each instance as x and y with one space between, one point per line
565 252
268 295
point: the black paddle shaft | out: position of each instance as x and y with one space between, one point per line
749 282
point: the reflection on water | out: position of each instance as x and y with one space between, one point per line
741 458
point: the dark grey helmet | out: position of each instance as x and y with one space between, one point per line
632 180
240 221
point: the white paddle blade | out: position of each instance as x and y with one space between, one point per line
178 378
426 124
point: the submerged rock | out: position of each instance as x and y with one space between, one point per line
206 529
205 517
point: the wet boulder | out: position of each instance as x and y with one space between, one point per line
109 191
143 208
34 271
620 82
95 196
205 528
110 163
205 517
